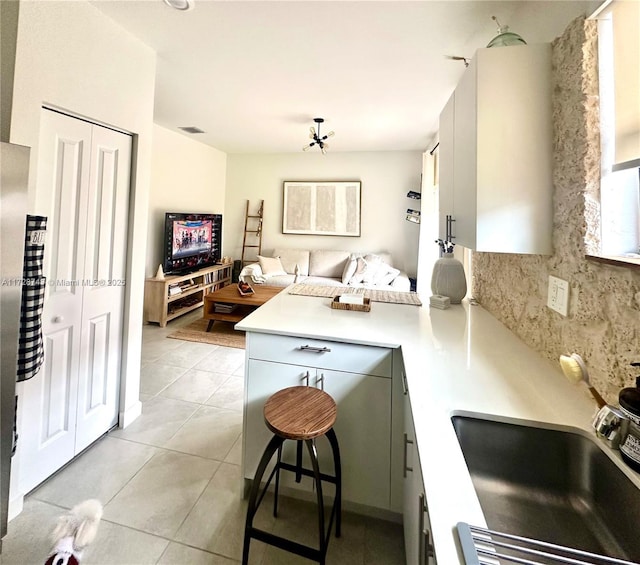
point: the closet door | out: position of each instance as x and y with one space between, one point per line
48 432
83 182
103 295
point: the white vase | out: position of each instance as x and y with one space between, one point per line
448 278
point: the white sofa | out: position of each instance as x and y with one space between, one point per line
327 268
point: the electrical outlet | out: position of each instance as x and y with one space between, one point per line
558 295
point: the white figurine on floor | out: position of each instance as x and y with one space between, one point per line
74 531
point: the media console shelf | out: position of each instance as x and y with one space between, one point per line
161 305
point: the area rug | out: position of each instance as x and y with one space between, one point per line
221 333
390 296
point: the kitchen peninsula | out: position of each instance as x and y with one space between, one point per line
426 362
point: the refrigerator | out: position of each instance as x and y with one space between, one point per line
14 175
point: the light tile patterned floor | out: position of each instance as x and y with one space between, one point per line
170 481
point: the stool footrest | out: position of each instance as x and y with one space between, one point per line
307 472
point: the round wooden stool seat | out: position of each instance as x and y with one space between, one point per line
300 412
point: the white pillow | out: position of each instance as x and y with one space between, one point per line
379 272
349 269
361 270
271 266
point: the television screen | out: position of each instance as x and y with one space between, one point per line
192 241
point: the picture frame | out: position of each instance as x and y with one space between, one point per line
322 208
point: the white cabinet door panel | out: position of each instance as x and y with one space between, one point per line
363 429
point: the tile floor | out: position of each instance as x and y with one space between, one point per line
170 482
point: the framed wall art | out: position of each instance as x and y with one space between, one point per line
321 208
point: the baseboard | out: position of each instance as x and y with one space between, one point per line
129 415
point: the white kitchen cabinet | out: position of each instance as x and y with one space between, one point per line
364 423
496 153
446 205
417 529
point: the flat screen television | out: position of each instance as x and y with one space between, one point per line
191 241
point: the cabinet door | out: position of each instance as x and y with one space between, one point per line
265 378
363 428
417 528
466 161
412 490
446 165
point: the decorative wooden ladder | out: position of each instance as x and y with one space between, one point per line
252 241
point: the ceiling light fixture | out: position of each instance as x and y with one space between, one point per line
182 5
318 139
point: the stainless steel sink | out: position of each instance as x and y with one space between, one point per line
551 485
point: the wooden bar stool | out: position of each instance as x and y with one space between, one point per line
300 413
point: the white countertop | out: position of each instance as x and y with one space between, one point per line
459 360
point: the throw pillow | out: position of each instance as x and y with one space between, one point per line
349 269
271 266
361 270
379 272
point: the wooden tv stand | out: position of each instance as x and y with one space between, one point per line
160 306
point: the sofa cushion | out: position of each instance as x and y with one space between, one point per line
323 281
327 263
271 266
292 257
280 280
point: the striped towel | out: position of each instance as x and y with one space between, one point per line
30 346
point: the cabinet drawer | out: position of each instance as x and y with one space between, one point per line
321 354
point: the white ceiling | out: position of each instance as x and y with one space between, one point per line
254 74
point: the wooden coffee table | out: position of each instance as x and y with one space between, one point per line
230 295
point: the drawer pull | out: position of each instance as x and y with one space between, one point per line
407 442
430 551
313 349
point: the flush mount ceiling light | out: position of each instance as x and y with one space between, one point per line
182 5
318 139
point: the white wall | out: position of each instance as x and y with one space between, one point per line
186 176
386 178
70 56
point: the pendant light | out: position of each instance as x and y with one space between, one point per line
318 138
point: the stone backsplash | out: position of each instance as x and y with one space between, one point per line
603 323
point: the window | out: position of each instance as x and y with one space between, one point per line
620 175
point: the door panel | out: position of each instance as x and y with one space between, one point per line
49 404
103 304
98 366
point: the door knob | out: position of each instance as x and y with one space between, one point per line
57 319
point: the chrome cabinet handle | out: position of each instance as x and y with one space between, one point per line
406 468
421 540
449 228
305 377
405 386
320 380
313 349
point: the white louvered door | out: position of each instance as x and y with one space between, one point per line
83 180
